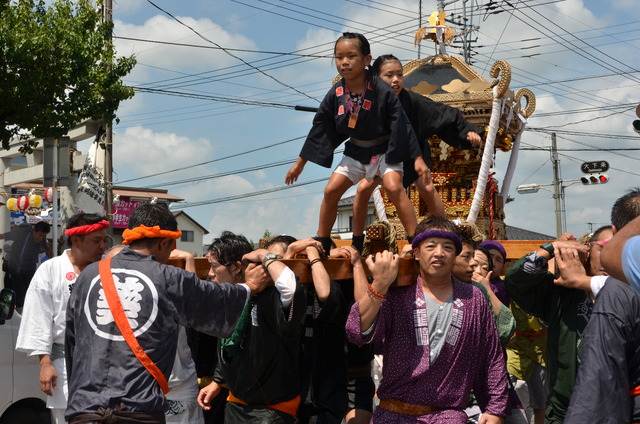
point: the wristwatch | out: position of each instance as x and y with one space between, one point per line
268 257
548 246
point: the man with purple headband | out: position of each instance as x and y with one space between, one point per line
440 341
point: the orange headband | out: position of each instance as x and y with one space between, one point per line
143 231
86 229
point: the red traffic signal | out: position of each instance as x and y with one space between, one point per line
594 179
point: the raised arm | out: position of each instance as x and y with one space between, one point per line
295 171
189 261
384 271
360 282
319 274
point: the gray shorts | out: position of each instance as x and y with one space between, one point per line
355 171
538 387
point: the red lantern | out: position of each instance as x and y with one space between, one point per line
48 195
23 203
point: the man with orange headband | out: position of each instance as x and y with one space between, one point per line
440 340
124 316
43 322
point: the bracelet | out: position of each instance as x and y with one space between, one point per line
374 298
266 266
548 247
381 297
314 261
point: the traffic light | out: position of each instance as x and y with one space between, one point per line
595 179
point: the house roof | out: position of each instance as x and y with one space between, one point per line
182 213
515 233
348 201
146 193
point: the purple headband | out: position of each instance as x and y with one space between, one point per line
494 245
439 234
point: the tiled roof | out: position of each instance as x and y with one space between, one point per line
515 233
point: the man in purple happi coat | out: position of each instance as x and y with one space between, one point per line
440 341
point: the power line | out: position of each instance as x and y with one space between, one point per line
577 49
231 54
235 100
587 110
582 133
214 160
579 150
223 174
217 47
181 205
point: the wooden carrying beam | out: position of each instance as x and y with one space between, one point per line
338 268
341 269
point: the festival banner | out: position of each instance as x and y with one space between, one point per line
91 186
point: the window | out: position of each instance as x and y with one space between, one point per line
187 236
371 218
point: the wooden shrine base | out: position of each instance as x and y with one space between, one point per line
340 269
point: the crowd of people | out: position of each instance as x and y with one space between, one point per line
126 336
123 337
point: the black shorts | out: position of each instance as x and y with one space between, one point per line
361 391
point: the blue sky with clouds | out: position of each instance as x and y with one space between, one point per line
581 59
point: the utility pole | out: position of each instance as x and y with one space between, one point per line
466 47
419 23
558 190
108 141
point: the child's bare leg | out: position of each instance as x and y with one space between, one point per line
334 190
360 209
430 196
361 204
392 183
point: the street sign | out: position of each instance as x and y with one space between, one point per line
597 166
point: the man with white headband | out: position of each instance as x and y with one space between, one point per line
440 341
124 316
43 320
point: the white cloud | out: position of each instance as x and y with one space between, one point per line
142 151
177 58
252 218
127 6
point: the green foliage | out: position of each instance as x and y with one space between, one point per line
266 234
57 68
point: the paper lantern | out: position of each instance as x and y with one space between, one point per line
48 195
12 204
35 200
23 203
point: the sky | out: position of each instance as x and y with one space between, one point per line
216 82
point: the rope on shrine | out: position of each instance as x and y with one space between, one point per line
378 203
493 187
487 156
389 238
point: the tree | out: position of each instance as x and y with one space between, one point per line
57 68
